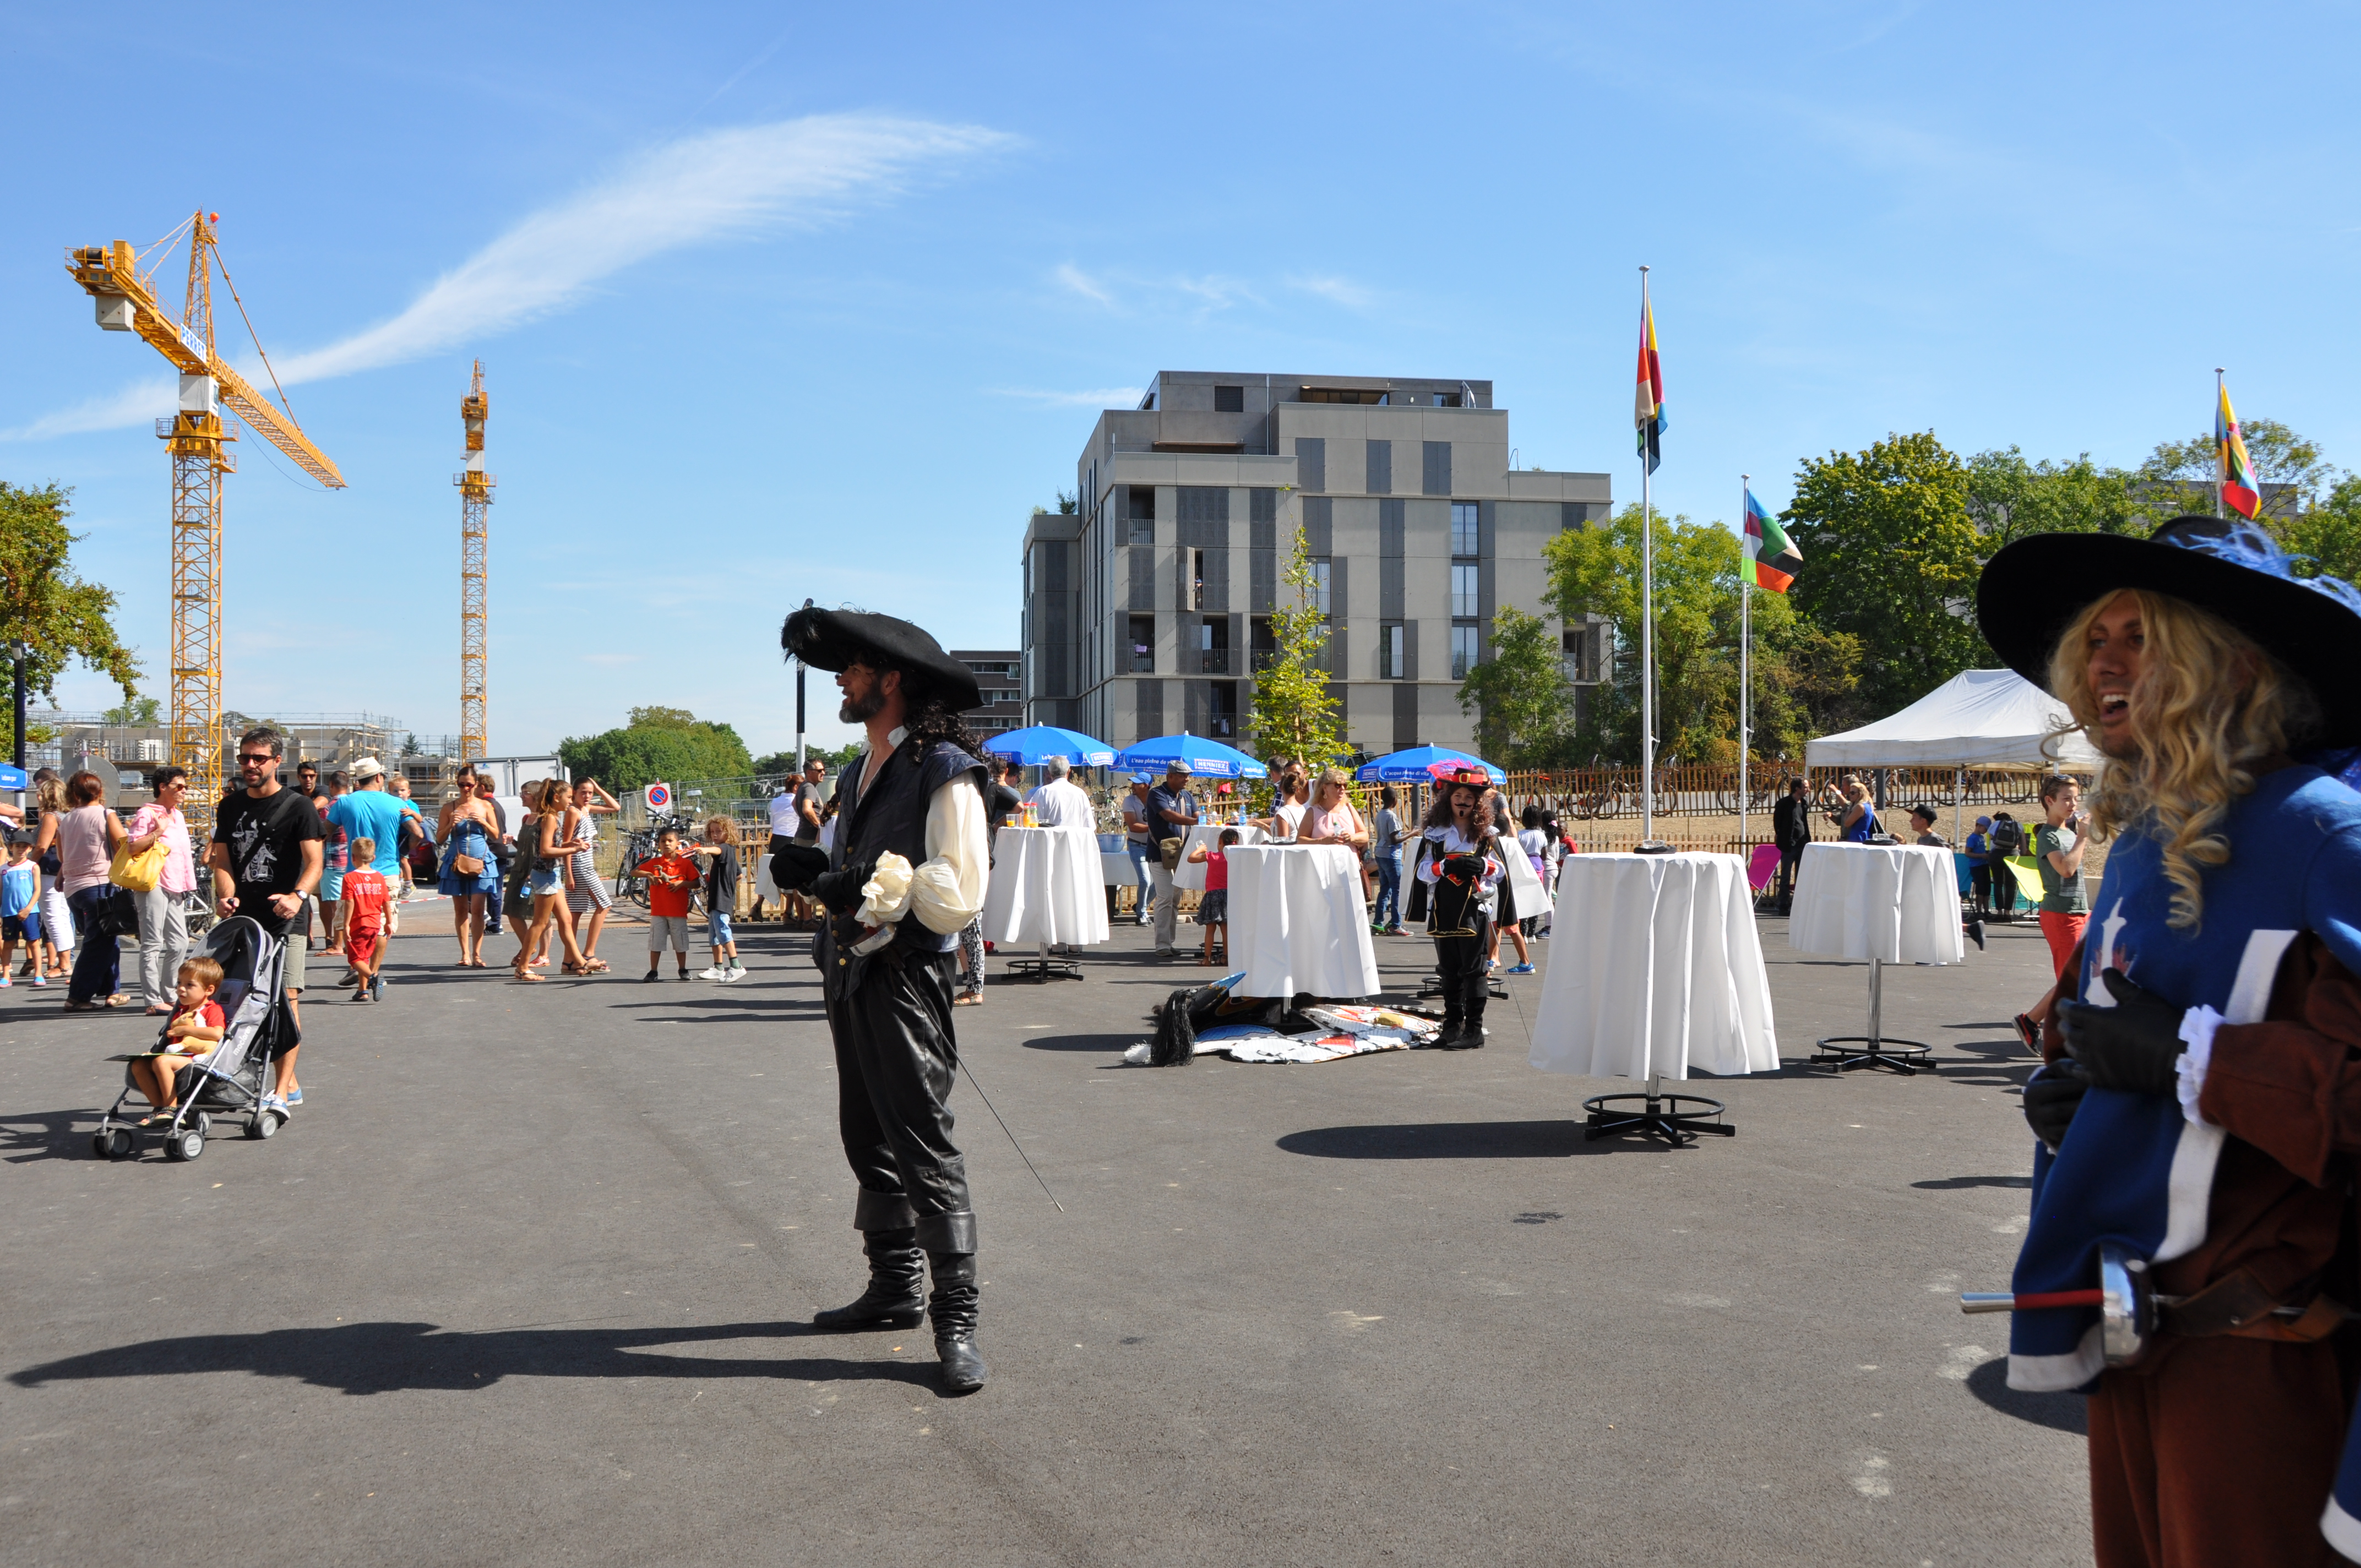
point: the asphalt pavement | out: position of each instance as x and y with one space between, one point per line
527 1280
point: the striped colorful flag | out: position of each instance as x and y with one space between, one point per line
2239 491
1648 402
1776 559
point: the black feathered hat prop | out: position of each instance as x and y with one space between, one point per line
839 639
2032 590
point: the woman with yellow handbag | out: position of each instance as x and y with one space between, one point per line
154 863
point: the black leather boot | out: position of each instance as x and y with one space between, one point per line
897 1270
953 1307
1479 991
1453 1016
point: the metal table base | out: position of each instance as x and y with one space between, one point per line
1660 1116
1044 967
1847 1053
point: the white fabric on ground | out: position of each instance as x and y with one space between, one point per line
1298 922
1045 887
1655 967
1897 903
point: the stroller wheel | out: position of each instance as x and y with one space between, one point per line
261 1125
186 1144
115 1143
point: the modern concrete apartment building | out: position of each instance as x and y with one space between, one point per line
996 679
1146 610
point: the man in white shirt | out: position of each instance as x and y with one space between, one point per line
909 843
1060 802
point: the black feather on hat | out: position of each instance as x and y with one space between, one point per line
2033 590
838 639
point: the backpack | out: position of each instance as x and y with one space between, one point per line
2007 837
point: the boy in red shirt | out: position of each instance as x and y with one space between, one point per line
365 901
189 1035
673 877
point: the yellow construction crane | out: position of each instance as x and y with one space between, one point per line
475 528
198 435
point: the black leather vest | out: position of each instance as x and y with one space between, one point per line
891 816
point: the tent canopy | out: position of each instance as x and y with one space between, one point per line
1979 718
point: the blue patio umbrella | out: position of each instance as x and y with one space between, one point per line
1038 743
13 777
1205 759
1417 765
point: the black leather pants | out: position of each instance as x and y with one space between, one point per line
895 1058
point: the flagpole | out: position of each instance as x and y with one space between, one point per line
2220 458
1745 652
1647 620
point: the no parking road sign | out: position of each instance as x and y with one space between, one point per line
659 799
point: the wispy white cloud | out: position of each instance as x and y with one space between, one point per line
794 174
1083 283
1341 290
1101 397
1216 293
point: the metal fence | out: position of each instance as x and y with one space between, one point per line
1606 794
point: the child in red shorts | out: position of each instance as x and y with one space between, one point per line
365 897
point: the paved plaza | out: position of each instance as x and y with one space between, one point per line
527 1280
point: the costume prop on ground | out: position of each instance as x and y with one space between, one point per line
2195 1119
888 981
1213 1020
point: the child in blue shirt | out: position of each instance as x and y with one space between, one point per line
1979 851
20 921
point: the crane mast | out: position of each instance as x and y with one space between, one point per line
475 527
197 436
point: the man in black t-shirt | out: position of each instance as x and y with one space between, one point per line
265 858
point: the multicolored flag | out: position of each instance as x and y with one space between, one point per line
1648 402
2240 493
1776 559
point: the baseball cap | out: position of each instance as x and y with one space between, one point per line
1139 778
1984 821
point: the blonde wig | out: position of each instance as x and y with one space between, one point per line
2208 707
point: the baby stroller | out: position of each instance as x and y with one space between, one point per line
235 1077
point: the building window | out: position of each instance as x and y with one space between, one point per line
1196 580
1229 400
1322 573
1463 591
1434 468
1466 650
1142 644
1261 647
1389 651
1571 642
1446 400
1466 530
1139 509
1213 646
1367 395
1222 710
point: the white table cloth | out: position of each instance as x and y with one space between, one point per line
1896 903
1191 878
1297 921
1654 968
1045 887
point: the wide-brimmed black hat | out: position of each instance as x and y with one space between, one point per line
838 639
2032 589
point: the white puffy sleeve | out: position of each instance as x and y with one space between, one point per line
947 890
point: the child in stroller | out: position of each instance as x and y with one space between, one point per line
248 1004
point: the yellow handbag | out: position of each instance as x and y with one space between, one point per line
139 873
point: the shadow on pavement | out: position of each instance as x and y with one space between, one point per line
1955 1183
1114 1043
379 1359
2058 1412
50 1135
1453 1140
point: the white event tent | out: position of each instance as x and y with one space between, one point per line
1979 718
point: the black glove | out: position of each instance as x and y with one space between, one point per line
794 866
2050 1098
840 891
1463 867
2135 1045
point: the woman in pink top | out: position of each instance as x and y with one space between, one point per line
87 835
1332 820
163 909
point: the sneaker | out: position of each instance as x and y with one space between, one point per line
1521 969
40 979
295 1095
649 976
352 977
377 988
712 973
5 983
272 1103
737 972
684 974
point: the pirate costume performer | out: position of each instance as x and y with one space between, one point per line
1462 867
2200 1111
905 876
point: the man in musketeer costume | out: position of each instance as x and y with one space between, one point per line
903 878
1462 866
2199 1109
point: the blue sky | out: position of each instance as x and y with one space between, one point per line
818 301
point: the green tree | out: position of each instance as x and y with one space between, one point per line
1294 713
666 743
1804 678
2010 496
1524 705
43 605
141 711
1891 557
2329 533
2280 457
